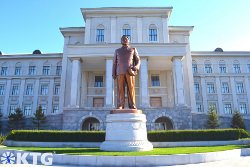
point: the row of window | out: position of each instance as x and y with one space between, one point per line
227 108
27 109
32 70
155 81
154 102
29 89
100 33
222 68
224 87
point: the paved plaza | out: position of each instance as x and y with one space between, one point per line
237 162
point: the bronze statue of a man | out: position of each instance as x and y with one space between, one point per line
126 63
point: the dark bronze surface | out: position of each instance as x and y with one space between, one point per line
125 58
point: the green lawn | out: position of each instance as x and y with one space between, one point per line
156 151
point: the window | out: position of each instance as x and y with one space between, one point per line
155 102
212 105
196 88
248 68
224 87
223 68
126 31
227 108
100 35
243 108
12 109
44 109
32 70
2 89
155 80
4 71
1 109
239 87
46 70
55 109
236 68
98 81
17 70
152 33
194 67
27 110
29 89
57 90
98 102
208 68
44 89
199 108
15 90
210 88
58 70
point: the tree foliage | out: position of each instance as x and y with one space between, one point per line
213 120
237 121
39 117
16 119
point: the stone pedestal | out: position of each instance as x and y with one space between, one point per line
126 131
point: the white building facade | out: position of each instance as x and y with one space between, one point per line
174 87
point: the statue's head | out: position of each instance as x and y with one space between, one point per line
125 40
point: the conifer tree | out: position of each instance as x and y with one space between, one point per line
237 121
213 121
16 119
39 117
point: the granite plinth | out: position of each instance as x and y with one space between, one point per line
126 132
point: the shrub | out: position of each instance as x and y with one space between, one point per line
153 136
56 136
196 135
2 139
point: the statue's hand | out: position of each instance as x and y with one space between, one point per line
114 77
134 68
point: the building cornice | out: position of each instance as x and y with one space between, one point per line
180 28
126 11
72 30
33 56
225 53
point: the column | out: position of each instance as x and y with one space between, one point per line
20 100
139 29
144 98
247 87
109 100
75 82
6 98
218 90
87 31
50 98
36 93
204 94
165 29
179 84
235 103
113 30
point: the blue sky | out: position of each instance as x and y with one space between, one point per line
26 25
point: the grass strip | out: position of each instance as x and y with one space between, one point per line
155 151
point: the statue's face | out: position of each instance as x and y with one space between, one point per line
124 40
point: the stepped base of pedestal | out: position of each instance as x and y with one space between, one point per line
126 146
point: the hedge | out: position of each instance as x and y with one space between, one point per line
197 135
56 136
153 136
